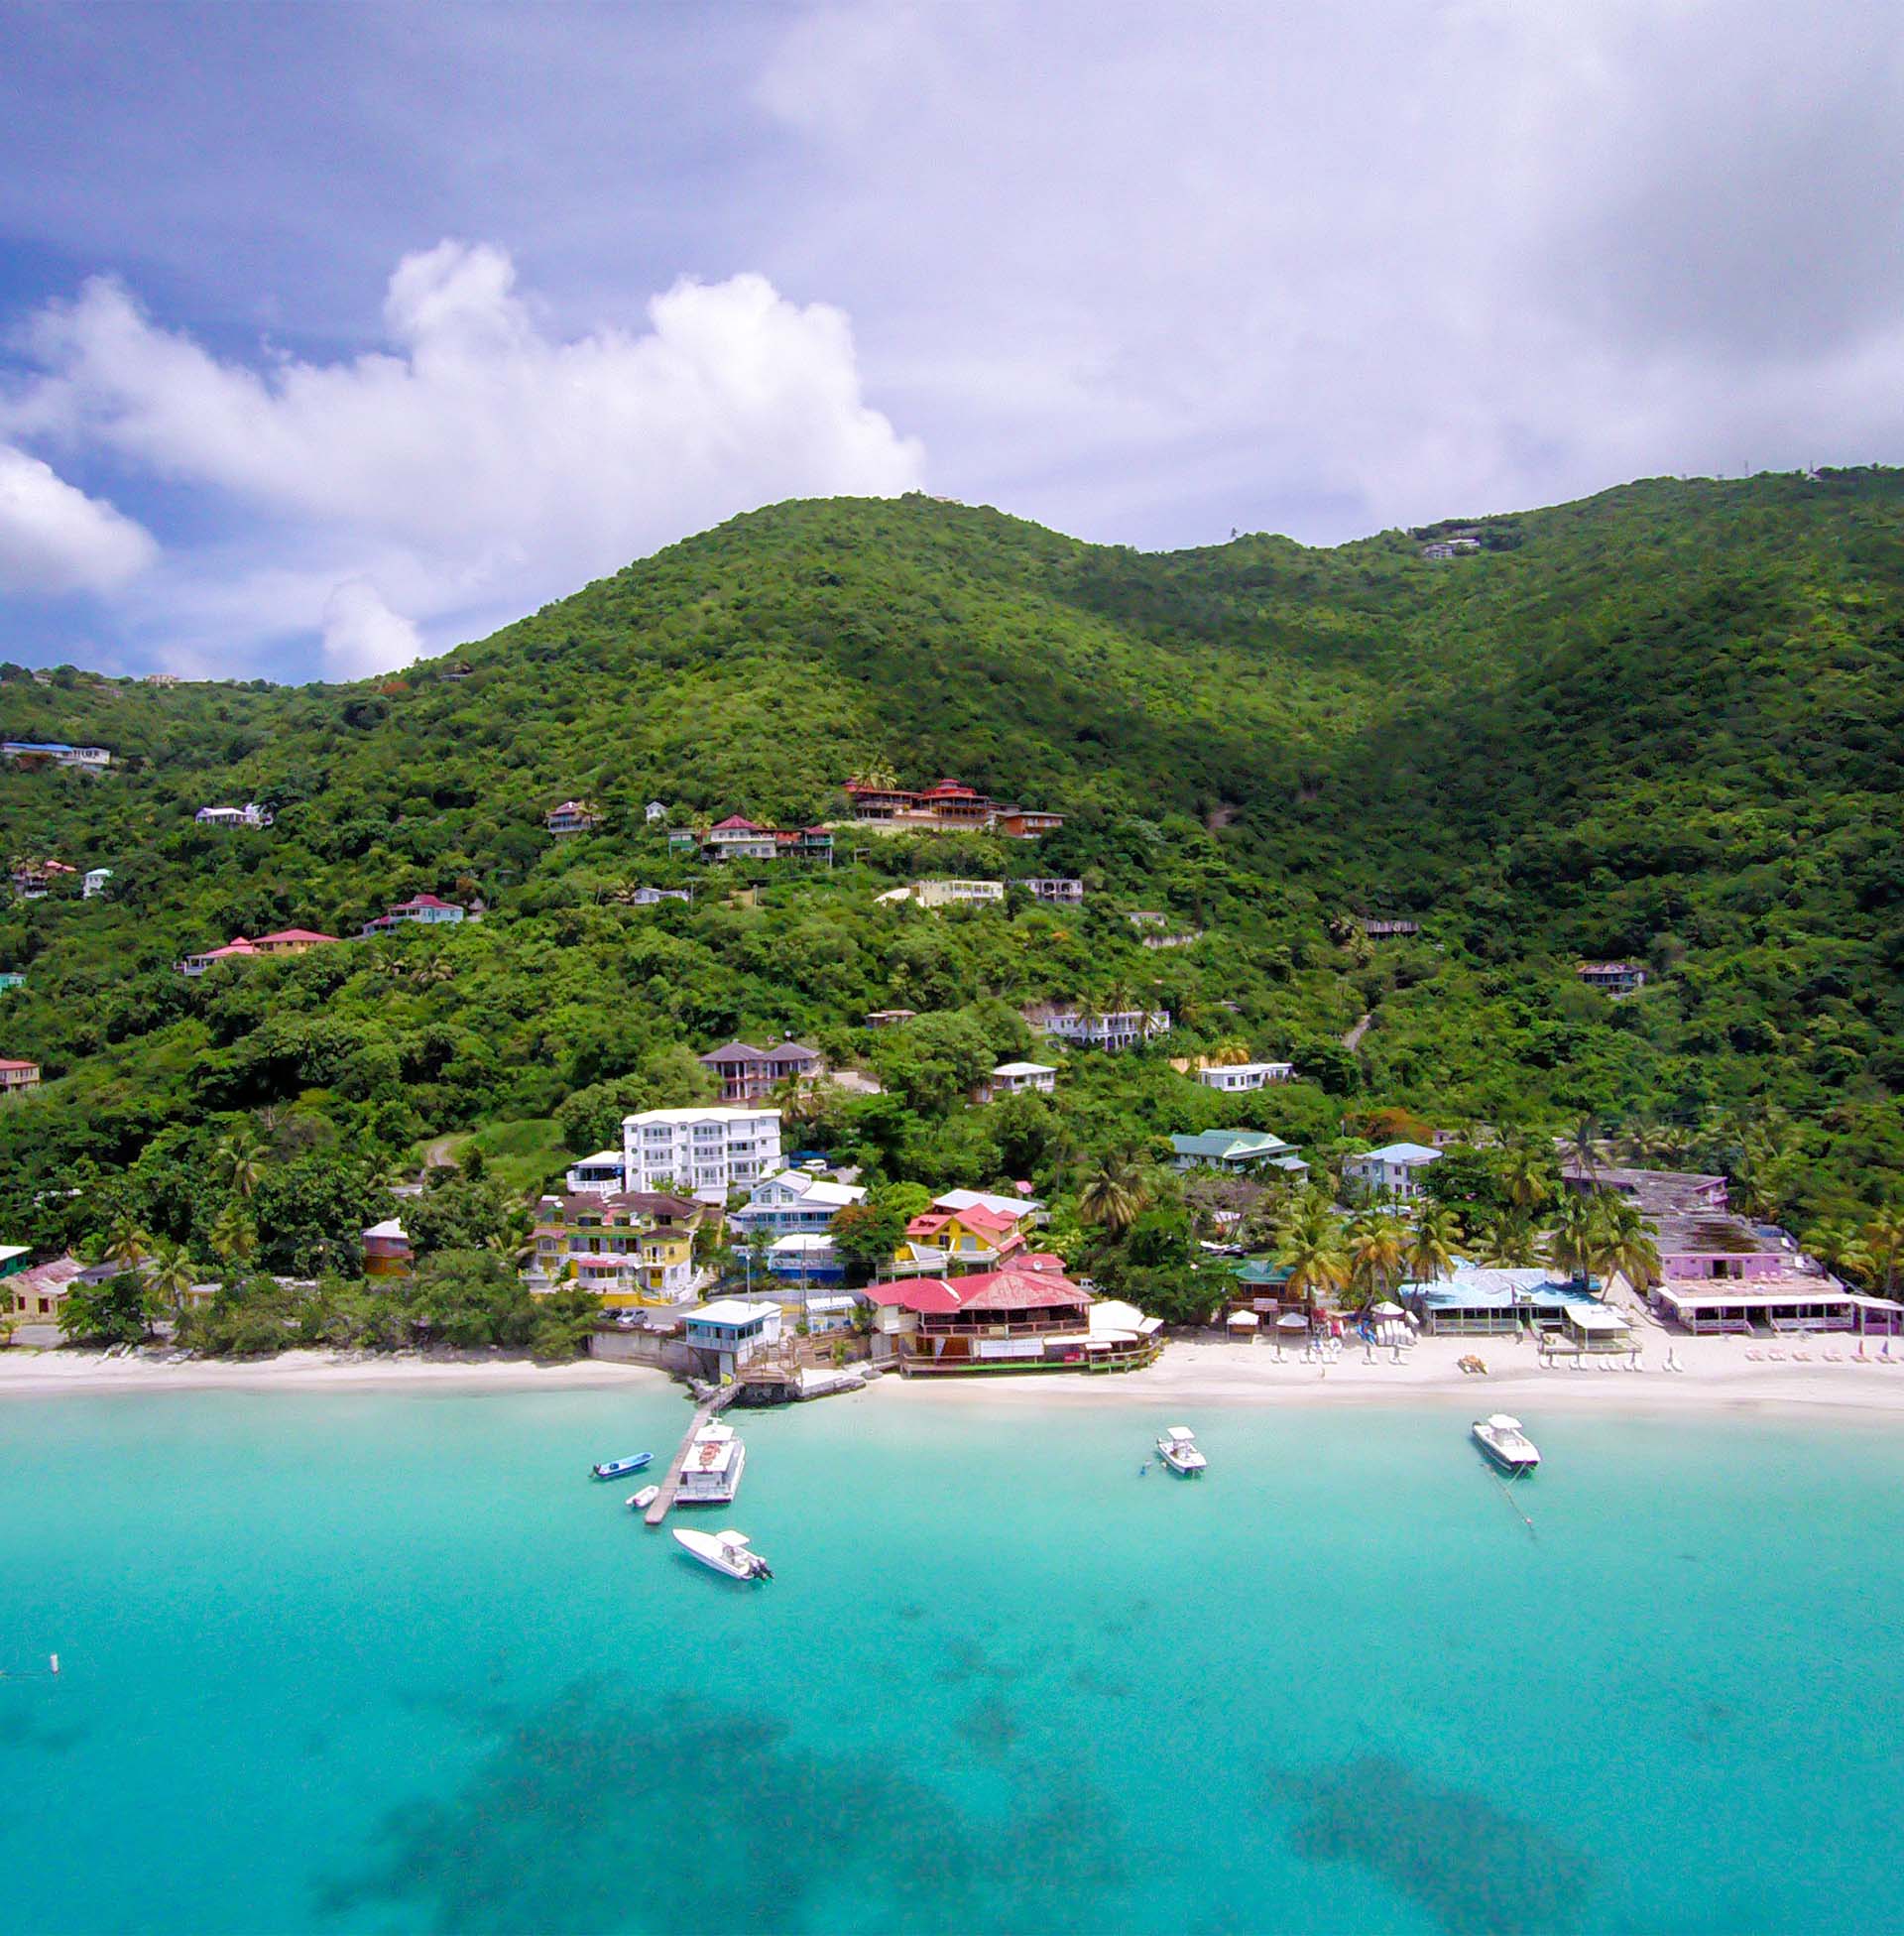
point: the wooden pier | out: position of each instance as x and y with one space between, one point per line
671 1484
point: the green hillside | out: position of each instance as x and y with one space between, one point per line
1664 723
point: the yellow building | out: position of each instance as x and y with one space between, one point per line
631 1249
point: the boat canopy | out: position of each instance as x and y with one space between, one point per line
1180 1432
1503 1423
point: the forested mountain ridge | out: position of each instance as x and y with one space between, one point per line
1662 722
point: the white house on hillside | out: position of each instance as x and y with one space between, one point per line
1394 1170
790 1202
1236 1078
1017 1079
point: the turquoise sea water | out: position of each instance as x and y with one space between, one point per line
349 1663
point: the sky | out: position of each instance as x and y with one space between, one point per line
334 334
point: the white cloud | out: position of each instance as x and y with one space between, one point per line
483 466
55 539
362 635
1146 271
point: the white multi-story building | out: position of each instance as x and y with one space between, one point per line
1120 1029
702 1152
1235 1078
1018 1080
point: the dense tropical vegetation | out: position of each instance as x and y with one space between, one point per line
1663 723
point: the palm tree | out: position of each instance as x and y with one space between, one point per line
1230 1052
1509 1241
1431 1251
1314 1251
126 1242
1583 1145
1573 1242
1839 1246
1116 1194
234 1236
172 1275
1377 1249
1527 1173
1884 1246
1625 1245
240 1161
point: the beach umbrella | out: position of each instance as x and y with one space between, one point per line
1385 1310
1243 1320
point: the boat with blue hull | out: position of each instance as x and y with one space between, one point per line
621 1468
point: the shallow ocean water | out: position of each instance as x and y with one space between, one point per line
348 1662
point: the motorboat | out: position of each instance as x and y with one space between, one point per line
725 1552
711 1472
1177 1448
642 1501
1502 1440
621 1468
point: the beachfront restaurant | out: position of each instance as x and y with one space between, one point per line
1013 1320
1765 1306
1482 1302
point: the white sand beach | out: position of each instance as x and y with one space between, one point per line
1719 1375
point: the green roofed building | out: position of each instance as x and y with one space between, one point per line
1235 1151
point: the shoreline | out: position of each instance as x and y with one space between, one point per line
33 1374
1717 1378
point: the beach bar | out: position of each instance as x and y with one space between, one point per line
1763 1306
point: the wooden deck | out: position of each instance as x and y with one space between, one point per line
671 1484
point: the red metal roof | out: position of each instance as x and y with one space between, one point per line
293 935
736 824
1016 1288
930 1296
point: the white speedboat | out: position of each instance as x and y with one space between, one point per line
1177 1448
1502 1440
642 1501
726 1552
711 1473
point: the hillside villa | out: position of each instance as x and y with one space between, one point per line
630 1247
738 838
286 941
1390 931
1055 888
97 881
751 1075
1237 1151
33 755
423 910
1394 1170
1017 1079
1239 1078
958 893
1612 977
251 815
1027 1318
949 806
889 1018
17 1075
572 816
34 880
1116 1030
